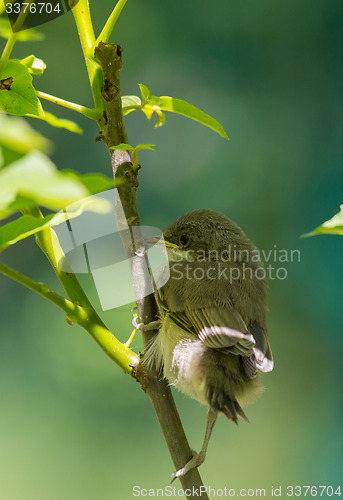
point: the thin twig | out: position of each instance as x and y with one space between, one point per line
89 112
82 311
111 21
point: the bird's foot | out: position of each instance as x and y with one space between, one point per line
153 325
194 462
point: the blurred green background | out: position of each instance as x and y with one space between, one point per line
72 425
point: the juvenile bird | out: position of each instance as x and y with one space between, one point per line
212 340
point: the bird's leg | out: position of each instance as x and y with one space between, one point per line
198 459
153 325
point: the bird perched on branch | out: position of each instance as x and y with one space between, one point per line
212 341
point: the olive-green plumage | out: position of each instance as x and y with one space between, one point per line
213 341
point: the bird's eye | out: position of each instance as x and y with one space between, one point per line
184 240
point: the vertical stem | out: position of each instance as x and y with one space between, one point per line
114 132
109 56
86 33
84 25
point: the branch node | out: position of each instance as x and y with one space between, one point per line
109 91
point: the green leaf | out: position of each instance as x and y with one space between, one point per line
123 147
332 226
130 103
153 104
28 225
186 109
95 183
17 135
54 121
34 177
35 65
148 111
27 35
146 94
127 147
22 228
16 204
145 146
27 103
161 118
21 98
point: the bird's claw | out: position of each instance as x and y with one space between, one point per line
154 325
193 463
136 324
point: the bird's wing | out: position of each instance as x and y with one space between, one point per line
223 328
262 351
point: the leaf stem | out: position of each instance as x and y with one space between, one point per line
81 316
40 288
90 113
7 51
110 23
14 35
126 109
84 26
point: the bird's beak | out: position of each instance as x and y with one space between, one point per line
160 242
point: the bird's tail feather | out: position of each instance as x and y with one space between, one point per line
222 402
